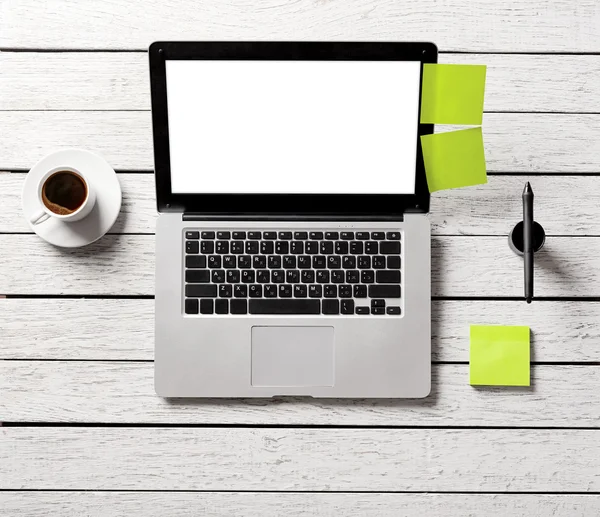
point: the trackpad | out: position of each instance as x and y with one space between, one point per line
292 356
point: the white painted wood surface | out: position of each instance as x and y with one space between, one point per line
119 81
514 142
236 504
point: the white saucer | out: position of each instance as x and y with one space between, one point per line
103 179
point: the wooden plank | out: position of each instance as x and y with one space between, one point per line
291 459
481 25
515 142
120 81
461 266
114 329
123 393
238 504
491 209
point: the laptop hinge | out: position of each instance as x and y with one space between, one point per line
289 217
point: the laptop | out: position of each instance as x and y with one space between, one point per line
293 243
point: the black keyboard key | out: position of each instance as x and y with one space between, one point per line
311 248
345 292
191 306
297 248
233 276
225 291
352 276
347 306
221 306
214 261
282 247
393 310
389 248
377 236
206 306
360 291
192 235
349 262
330 291
239 235
237 247
337 276
300 291
315 291
316 235
377 303
330 306
201 291
208 235
270 291
334 262
341 247
377 310
304 262
367 276
293 306
319 262
326 247
254 235
371 248
251 247
393 262
323 276
307 276
378 262
356 248
240 291
197 276
362 236
364 262
195 261
229 261
285 291
272 236
238 307
332 236
289 262
248 276
218 276
278 276
223 235
274 262
393 236
259 262
192 247
362 310
207 247
267 247
384 291
286 236
245 262
347 236
263 276
292 276
255 291
301 236
388 277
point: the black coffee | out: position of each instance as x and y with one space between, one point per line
64 192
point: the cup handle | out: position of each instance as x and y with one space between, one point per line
39 217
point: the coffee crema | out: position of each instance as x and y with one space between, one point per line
64 192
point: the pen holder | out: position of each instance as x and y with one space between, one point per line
515 238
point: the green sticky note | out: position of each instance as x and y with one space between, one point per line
499 355
452 94
454 159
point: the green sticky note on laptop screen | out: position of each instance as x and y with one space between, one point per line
499 355
454 159
452 94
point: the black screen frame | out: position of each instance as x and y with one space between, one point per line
347 205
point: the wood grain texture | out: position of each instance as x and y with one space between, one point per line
113 329
299 459
491 209
236 504
120 81
117 392
514 142
461 266
481 25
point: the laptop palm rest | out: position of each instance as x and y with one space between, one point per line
292 356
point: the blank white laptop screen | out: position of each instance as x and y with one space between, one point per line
305 127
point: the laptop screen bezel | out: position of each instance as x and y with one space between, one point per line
388 205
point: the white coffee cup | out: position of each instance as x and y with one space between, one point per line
77 208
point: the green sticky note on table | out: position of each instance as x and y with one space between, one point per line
499 355
452 94
454 159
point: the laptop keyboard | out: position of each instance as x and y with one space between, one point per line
293 272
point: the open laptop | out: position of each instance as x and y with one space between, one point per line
293 243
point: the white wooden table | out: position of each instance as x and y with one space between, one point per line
83 432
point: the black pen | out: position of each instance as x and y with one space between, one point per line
528 240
